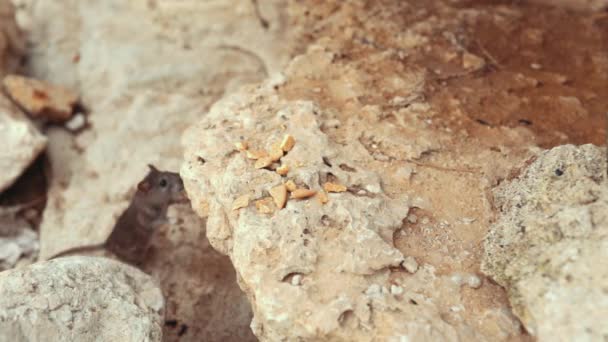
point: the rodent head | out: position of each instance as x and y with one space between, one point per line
162 187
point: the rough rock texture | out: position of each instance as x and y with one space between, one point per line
12 44
549 245
79 299
21 142
145 71
270 250
420 108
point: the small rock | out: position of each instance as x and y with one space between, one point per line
410 264
296 280
76 122
535 66
373 289
473 281
41 99
425 220
396 290
412 218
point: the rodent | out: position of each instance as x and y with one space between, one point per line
130 238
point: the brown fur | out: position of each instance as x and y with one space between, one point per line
131 236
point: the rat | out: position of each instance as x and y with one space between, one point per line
130 238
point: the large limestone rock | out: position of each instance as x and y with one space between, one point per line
311 270
21 142
549 245
79 299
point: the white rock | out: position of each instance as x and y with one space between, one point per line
80 299
20 140
76 122
410 264
473 281
296 280
17 240
549 245
396 290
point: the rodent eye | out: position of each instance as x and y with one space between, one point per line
163 182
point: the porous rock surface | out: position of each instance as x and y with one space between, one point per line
18 241
79 299
271 250
549 245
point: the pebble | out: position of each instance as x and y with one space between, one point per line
296 280
396 290
373 289
410 264
76 122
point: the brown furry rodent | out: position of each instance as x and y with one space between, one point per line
131 236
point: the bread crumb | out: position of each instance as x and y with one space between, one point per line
333 187
276 152
322 197
256 154
302 193
291 185
241 145
240 202
263 162
288 143
279 195
264 205
283 170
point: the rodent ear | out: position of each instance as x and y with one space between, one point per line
144 186
153 168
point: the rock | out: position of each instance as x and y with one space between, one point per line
41 99
80 299
268 249
18 242
20 140
410 264
550 242
12 44
76 123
